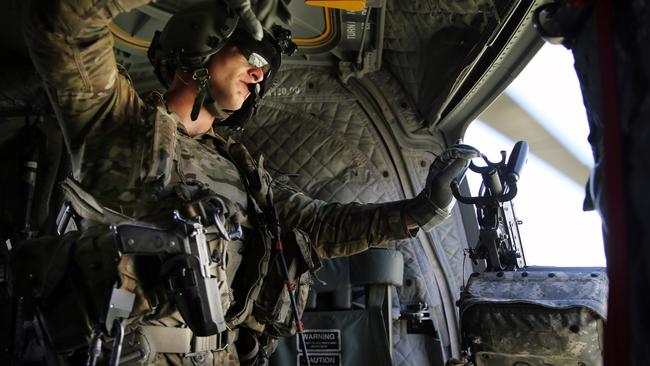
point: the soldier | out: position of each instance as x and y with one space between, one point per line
141 159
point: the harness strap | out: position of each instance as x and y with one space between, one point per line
167 339
181 340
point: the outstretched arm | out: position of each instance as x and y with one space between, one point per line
341 229
345 229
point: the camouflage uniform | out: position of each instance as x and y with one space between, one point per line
132 155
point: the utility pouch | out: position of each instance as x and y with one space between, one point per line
535 317
273 308
137 349
67 278
251 275
38 265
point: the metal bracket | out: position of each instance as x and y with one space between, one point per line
419 320
228 235
119 307
63 218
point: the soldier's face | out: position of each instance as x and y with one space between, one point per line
230 77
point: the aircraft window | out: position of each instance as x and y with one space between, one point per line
544 107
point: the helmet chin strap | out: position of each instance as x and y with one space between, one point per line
203 98
247 110
201 76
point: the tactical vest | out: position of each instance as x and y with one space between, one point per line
68 277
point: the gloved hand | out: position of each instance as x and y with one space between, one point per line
434 203
267 11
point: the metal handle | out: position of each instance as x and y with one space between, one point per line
518 158
118 328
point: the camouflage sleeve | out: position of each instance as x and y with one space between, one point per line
340 229
72 49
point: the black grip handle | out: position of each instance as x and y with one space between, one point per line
493 182
145 239
517 160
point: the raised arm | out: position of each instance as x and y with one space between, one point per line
72 49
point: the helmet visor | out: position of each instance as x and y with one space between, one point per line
256 60
265 54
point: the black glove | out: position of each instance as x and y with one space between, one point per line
267 11
434 203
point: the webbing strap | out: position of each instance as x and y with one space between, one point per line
181 340
201 344
168 339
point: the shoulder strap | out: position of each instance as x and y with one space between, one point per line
255 178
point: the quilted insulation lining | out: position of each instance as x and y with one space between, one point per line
451 232
412 349
312 126
427 43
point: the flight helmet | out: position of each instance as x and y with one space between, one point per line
197 32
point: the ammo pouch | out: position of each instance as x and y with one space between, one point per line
273 307
67 279
535 317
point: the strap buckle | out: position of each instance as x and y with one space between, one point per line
214 343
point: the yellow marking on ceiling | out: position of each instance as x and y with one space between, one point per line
350 5
309 42
124 38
